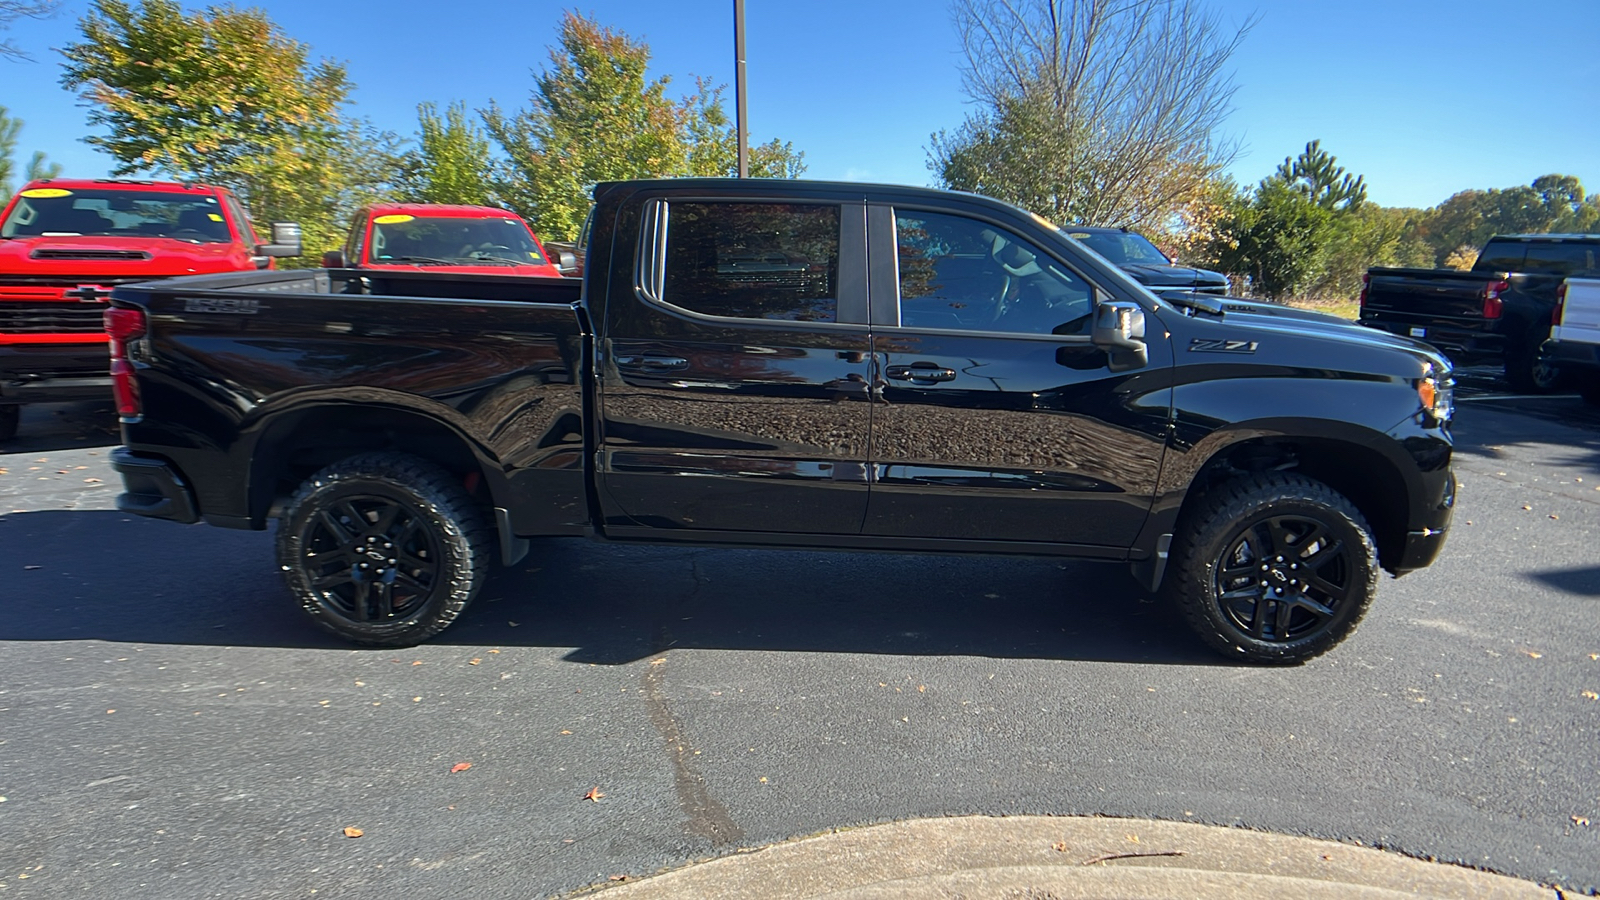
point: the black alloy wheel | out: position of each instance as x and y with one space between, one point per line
1284 578
1273 568
384 548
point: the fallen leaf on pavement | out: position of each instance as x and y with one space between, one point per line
1533 654
657 662
1059 846
417 663
1580 820
1591 695
566 732
353 832
1594 656
460 767
594 795
618 878
473 662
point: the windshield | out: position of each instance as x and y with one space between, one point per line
1123 248
58 212
399 238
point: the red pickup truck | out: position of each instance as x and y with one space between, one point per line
64 243
439 237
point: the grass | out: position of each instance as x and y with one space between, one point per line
1344 309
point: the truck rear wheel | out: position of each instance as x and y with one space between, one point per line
1274 568
9 417
1529 373
384 549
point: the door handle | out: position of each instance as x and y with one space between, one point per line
922 371
653 361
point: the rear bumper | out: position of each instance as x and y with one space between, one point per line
1571 356
54 372
154 488
1460 344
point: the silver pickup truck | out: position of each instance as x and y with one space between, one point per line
1574 343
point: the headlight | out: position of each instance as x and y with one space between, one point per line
1437 391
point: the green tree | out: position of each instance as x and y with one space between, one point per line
1317 174
223 96
1096 112
38 167
594 116
452 162
1279 240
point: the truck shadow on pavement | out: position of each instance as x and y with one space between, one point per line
1579 582
101 575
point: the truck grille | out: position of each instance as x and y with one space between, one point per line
51 318
65 253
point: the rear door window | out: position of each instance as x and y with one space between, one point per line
752 260
1501 256
1560 258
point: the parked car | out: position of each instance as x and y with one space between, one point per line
1497 312
1147 264
65 242
924 371
1574 344
443 238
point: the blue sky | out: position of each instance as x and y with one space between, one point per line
1423 97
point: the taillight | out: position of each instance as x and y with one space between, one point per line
124 325
1561 305
1366 285
1492 305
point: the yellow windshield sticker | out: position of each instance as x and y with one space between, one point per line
214 217
392 220
47 192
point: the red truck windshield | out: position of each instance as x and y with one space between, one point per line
397 238
57 212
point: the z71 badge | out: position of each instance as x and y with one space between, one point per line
238 306
1209 345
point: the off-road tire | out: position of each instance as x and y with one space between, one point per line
384 549
1267 526
10 415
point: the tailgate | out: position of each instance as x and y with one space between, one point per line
1422 295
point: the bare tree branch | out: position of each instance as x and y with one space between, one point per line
11 10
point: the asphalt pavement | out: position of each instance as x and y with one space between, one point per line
170 726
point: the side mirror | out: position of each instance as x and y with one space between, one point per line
285 240
567 263
1119 330
333 259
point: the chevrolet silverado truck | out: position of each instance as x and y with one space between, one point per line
64 243
1574 344
788 364
1498 311
446 238
1137 256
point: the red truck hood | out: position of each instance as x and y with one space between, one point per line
94 256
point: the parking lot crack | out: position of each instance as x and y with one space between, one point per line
707 817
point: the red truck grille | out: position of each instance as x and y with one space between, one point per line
52 318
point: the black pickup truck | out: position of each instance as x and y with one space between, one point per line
789 364
1498 311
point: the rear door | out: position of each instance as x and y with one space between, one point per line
998 419
734 369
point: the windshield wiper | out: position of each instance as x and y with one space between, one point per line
421 260
487 261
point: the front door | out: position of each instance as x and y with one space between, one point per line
734 378
998 419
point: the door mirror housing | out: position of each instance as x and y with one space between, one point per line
567 263
285 241
333 259
1119 330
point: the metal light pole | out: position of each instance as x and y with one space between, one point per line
738 88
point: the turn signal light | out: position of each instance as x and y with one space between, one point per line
1561 305
124 325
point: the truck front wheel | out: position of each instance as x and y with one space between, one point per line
1274 568
384 549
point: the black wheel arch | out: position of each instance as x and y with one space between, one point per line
294 443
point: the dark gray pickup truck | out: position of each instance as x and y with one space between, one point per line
789 364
